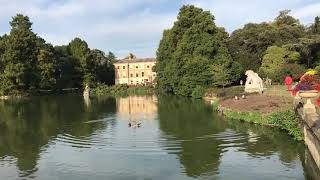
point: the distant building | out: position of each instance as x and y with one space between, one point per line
134 71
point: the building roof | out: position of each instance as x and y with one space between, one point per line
136 60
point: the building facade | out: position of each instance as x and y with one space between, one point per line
135 71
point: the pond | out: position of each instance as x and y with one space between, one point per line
67 137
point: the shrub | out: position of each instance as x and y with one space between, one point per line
296 70
122 90
198 92
287 121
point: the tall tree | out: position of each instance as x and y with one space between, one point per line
19 57
248 45
315 28
47 65
188 50
69 70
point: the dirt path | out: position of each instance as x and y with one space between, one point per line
259 103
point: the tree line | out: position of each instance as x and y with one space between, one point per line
196 54
28 63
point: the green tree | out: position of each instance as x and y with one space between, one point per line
103 67
69 71
315 28
285 18
19 58
47 66
248 45
274 59
188 50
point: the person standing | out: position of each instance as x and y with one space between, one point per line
288 81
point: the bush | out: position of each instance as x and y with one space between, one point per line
224 93
122 90
286 120
296 70
198 92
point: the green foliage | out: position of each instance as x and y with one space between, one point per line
315 28
188 51
18 72
285 19
286 120
121 90
252 117
274 59
198 92
28 63
47 65
248 45
224 93
296 70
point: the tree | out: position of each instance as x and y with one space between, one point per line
274 59
47 66
315 28
104 69
285 19
79 49
248 45
69 71
19 57
188 50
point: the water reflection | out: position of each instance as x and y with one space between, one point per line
137 107
207 145
63 137
28 125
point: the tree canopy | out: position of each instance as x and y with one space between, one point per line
29 63
189 50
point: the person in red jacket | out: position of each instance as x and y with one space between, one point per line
288 81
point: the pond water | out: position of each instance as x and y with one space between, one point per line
66 137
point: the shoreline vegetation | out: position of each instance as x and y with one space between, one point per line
267 110
284 120
122 90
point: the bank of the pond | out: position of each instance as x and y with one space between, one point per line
267 111
122 90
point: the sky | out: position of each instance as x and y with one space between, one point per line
136 26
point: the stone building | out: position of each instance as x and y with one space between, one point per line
134 71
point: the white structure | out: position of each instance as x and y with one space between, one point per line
253 83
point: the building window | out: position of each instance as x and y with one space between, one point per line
131 82
137 74
131 75
118 67
147 80
142 74
137 67
147 66
123 67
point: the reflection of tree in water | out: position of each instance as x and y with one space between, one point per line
26 126
271 141
188 121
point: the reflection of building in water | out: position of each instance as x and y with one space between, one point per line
137 106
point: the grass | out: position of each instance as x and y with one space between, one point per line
285 120
225 93
122 90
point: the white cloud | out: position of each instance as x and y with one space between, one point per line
136 26
307 13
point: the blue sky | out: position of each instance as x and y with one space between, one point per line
136 26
